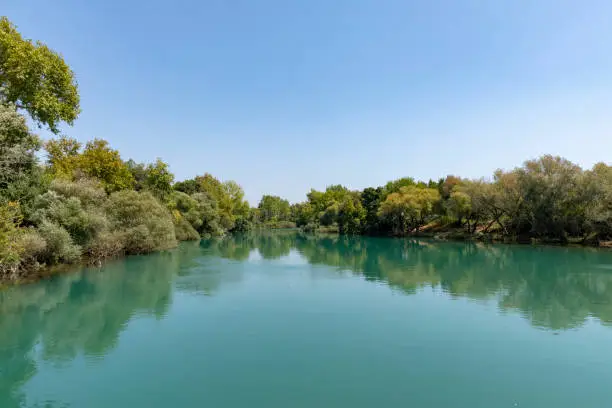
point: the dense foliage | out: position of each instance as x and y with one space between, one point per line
36 79
273 212
548 199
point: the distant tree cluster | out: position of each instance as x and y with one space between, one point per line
549 198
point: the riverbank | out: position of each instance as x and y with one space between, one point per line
42 272
447 232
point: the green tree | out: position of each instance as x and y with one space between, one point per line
302 214
551 189
158 179
351 215
236 204
470 201
226 198
599 201
36 79
97 160
155 178
62 156
395 185
138 171
409 208
20 176
273 209
370 201
459 205
206 218
187 186
100 161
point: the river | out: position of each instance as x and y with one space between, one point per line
285 320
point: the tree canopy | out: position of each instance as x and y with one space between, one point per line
36 79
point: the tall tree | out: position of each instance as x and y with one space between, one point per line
370 201
273 208
36 79
409 208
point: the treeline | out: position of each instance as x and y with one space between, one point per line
549 199
85 202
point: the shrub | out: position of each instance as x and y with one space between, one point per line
89 191
33 245
186 216
138 240
206 215
147 224
106 245
182 202
183 230
82 224
242 225
59 244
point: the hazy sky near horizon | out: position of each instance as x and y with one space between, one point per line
285 95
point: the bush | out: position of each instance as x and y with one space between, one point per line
106 245
147 224
242 225
183 229
68 212
33 245
89 191
59 245
205 218
138 240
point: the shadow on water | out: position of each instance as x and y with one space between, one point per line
83 313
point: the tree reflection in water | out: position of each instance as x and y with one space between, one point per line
83 313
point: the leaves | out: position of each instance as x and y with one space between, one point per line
97 161
36 79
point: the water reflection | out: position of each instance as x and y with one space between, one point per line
83 313
80 313
554 288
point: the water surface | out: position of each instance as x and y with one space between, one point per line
283 320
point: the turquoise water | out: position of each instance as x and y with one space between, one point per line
281 320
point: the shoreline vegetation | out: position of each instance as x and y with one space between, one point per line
85 203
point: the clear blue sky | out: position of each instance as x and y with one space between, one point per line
285 95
